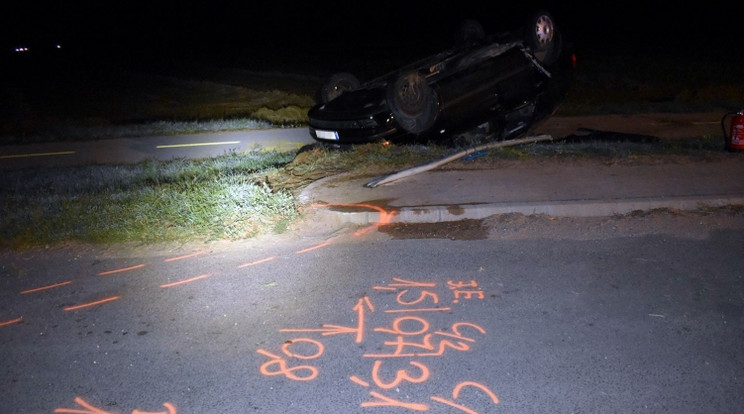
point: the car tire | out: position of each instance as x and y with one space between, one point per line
337 84
543 37
413 102
469 31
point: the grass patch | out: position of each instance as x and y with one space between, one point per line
222 198
52 106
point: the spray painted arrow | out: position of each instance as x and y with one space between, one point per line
329 329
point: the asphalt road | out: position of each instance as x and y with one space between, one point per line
366 322
131 150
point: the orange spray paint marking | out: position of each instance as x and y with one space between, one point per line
456 395
124 269
459 285
284 370
253 263
359 307
330 329
468 294
170 409
11 322
183 282
326 330
418 310
422 296
385 216
456 329
87 305
397 330
362 232
425 344
383 401
39 289
409 283
89 409
316 247
400 375
318 353
359 381
173 259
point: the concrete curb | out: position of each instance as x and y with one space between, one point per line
578 208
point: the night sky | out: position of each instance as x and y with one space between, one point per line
291 33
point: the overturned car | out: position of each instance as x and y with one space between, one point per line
508 82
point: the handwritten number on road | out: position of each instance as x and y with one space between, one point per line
87 408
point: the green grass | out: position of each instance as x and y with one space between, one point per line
222 198
230 197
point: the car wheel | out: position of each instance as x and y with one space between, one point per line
470 31
543 37
413 102
336 85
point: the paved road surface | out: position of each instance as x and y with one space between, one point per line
131 150
367 323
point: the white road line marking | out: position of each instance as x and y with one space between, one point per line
197 144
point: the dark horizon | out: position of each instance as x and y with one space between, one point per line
142 31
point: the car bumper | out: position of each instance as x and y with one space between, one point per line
352 136
352 130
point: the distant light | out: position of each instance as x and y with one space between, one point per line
58 46
21 49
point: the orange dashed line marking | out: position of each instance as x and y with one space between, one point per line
182 282
316 247
39 289
86 305
124 269
188 256
12 321
255 262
